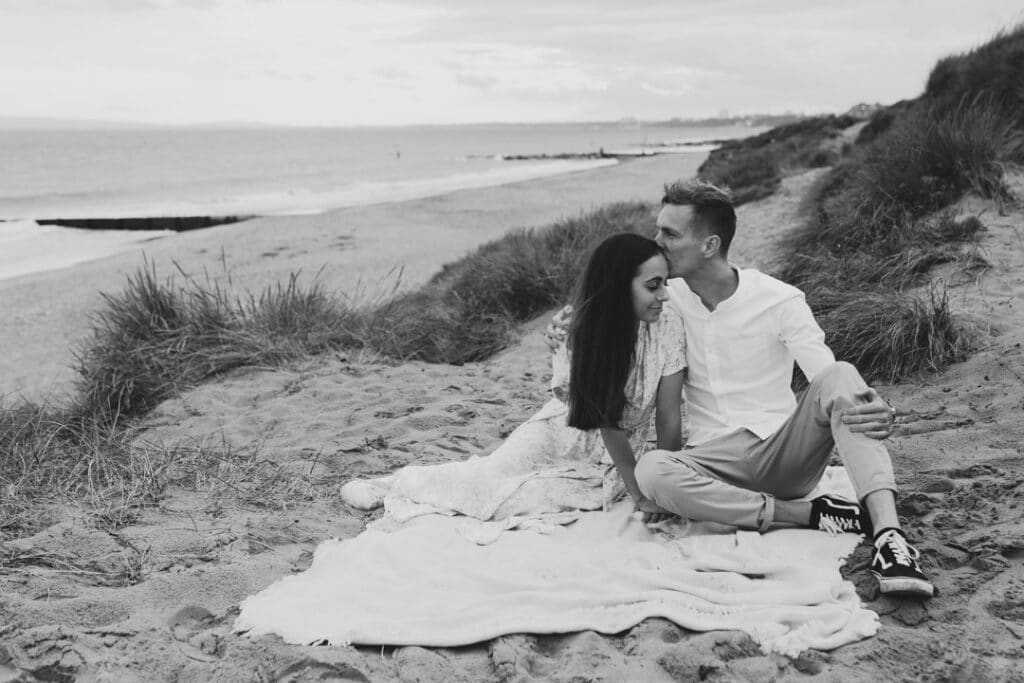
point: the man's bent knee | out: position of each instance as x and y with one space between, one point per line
839 369
839 379
650 469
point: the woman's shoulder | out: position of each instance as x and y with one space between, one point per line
669 323
671 340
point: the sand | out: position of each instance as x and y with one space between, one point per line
155 599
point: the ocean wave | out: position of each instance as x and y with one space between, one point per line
293 200
27 247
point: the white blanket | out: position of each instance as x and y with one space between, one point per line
429 581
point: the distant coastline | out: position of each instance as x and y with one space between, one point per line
29 123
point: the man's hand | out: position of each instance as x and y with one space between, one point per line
558 328
874 418
652 513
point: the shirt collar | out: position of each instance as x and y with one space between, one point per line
692 301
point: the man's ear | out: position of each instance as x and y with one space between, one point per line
712 243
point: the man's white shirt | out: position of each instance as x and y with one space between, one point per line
741 355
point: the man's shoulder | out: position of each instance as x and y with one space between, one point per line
767 288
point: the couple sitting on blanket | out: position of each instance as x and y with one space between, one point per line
728 337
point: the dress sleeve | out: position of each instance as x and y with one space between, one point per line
672 340
560 373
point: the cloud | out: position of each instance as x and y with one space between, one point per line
365 61
394 74
279 75
476 81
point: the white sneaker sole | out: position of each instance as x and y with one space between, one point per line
906 586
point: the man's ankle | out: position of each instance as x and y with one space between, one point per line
882 532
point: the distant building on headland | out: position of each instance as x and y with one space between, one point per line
864 110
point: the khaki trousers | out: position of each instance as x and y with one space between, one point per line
736 478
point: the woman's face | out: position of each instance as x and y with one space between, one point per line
648 287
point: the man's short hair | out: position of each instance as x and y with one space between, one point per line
712 205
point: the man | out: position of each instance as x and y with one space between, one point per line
753 448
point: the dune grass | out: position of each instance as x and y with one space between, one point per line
53 457
157 337
876 228
877 223
753 167
992 70
889 336
926 161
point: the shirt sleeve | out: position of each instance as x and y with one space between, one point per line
672 340
803 337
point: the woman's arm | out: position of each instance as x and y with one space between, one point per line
668 423
625 462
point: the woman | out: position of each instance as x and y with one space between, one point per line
579 451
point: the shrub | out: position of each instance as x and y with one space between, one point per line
470 309
751 176
924 244
926 161
889 336
753 167
156 338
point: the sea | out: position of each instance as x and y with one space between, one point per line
158 172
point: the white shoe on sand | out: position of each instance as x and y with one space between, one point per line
364 494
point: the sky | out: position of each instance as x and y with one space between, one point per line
381 62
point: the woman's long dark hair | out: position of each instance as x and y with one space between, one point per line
602 336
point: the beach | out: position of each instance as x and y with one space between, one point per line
364 251
155 599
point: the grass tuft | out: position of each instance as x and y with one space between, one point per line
53 458
52 455
890 337
156 338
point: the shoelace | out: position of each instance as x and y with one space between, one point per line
902 553
834 524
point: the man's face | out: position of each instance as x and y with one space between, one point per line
681 240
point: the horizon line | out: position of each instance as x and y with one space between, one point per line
9 123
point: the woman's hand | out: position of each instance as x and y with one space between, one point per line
558 329
652 513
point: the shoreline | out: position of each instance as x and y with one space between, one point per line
361 252
284 201
47 250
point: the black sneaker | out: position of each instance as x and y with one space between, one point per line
838 515
895 565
